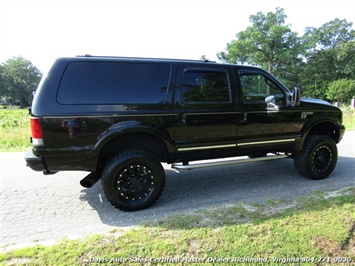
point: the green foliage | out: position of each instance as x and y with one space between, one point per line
19 78
341 90
14 118
346 58
203 58
322 55
268 43
331 56
14 129
2 83
331 34
349 117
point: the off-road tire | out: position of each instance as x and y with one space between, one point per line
318 158
133 180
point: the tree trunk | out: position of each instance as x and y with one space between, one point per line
271 65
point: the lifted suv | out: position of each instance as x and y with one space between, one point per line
120 118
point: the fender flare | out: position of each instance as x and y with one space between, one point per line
322 125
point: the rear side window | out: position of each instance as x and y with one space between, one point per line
205 86
114 83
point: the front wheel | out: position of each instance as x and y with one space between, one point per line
133 180
318 158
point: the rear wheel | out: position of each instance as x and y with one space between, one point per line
133 180
318 158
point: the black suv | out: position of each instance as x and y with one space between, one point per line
119 118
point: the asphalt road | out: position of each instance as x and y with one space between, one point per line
42 208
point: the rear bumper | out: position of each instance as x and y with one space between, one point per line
35 162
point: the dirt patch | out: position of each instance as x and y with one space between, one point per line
331 249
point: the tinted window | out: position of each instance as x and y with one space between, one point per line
201 86
259 89
114 83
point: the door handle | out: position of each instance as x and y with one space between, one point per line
182 120
244 117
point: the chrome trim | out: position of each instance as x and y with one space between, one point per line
214 113
235 145
229 162
207 147
272 111
265 142
37 142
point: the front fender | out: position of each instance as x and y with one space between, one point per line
326 127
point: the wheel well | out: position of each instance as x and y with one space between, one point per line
141 141
327 129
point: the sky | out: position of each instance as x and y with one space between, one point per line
43 30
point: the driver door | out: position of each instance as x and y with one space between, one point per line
267 123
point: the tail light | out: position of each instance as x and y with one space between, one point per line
36 130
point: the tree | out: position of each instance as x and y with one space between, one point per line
203 58
330 56
19 79
341 90
2 83
346 58
331 34
268 43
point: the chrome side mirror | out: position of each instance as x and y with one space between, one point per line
296 97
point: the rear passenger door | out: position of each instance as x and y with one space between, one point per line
205 110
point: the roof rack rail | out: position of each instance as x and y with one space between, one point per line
85 55
149 58
208 61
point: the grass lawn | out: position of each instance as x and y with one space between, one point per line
349 118
308 231
14 130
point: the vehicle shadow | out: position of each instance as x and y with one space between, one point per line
186 191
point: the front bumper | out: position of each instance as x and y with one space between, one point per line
341 132
35 162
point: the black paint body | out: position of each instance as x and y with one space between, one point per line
82 131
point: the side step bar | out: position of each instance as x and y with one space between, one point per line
221 163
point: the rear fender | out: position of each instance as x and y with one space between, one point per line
117 130
135 137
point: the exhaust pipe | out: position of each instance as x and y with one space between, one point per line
90 180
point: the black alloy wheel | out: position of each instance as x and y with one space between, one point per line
135 182
322 159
